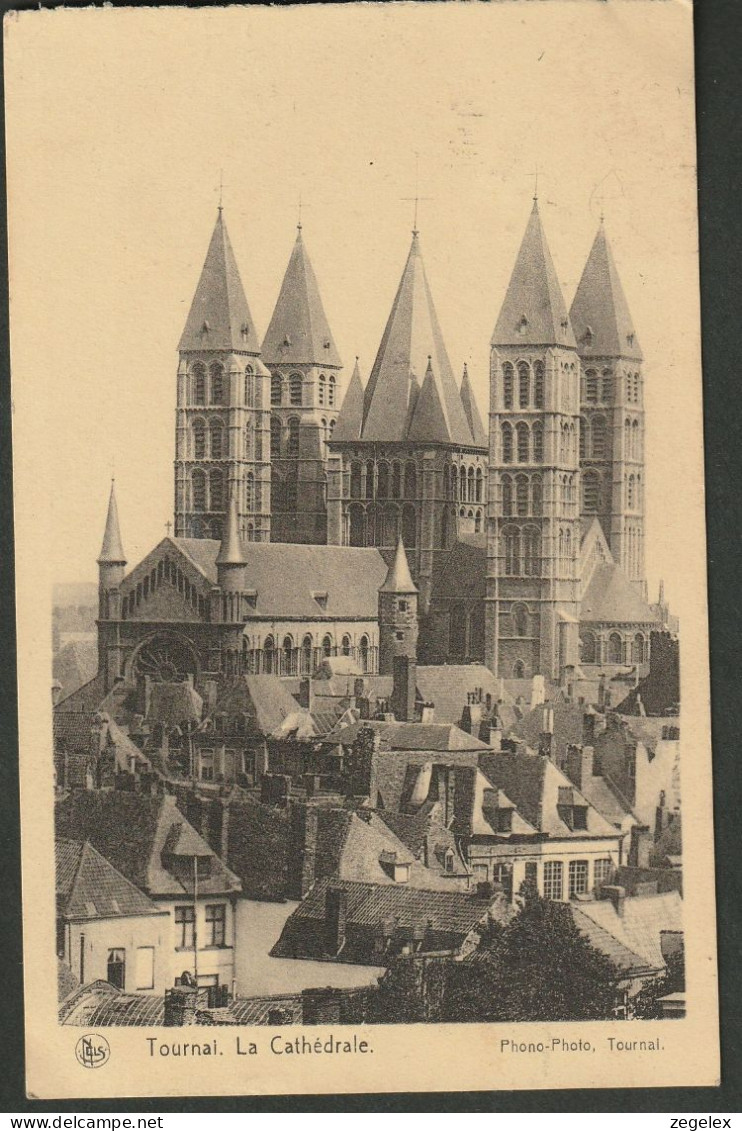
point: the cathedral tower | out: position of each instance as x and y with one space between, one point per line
222 444
409 452
533 543
397 613
305 398
611 409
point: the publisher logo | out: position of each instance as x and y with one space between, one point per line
92 1050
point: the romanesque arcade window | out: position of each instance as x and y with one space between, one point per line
218 386
295 389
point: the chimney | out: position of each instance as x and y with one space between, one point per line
601 692
472 718
495 734
274 790
182 1002
427 713
306 693
321 1007
578 764
546 745
588 726
336 911
548 720
617 896
640 846
640 706
303 849
404 689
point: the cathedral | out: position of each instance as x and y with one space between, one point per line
379 520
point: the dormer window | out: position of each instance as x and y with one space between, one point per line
579 817
448 861
630 339
523 324
287 340
587 337
205 328
245 331
565 324
504 820
321 599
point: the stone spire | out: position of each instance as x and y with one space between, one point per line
112 551
299 333
399 578
534 312
412 337
350 417
230 551
600 314
472 412
219 318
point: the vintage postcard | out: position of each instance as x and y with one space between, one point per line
365 738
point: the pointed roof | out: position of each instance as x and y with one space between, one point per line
88 887
428 421
471 409
112 551
600 314
412 335
611 598
350 417
230 551
534 312
398 578
299 333
219 318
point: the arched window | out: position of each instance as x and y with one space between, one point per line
276 390
507 385
292 445
519 670
199 440
589 650
397 480
357 533
327 645
363 653
538 442
218 388
391 526
275 437
521 495
198 487
305 658
250 492
478 497
216 439
382 484
269 656
248 434
355 481
615 649
370 479
331 390
409 527
511 535
627 439
590 492
470 485
322 391
444 529
295 388
216 490
287 649
537 495
607 386
597 428
199 383
345 645
507 443
591 386
583 437
635 446
637 649
522 432
531 542
249 386
410 480
478 523
520 620
538 384
636 388
524 384
507 495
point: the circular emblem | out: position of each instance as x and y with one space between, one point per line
92 1050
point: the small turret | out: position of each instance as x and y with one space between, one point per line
111 562
398 598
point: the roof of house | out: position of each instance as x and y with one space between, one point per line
299 333
567 725
73 730
620 955
611 598
411 345
219 318
448 685
641 922
288 579
534 311
134 832
350 418
434 737
267 700
89 887
600 313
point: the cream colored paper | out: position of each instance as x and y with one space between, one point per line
118 124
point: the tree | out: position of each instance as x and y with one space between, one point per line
645 1005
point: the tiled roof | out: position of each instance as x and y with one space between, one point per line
131 831
411 339
267 700
73 730
219 317
435 737
350 417
285 577
533 294
619 954
299 332
447 687
611 598
600 307
127 1009
89 887
259 1010
640 925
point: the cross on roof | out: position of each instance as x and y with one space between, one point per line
416 198
168 527
221 189
534 174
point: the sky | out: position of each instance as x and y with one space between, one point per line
114 172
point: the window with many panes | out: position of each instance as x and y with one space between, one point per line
602 871
216 921
577 877
553 879
185 927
